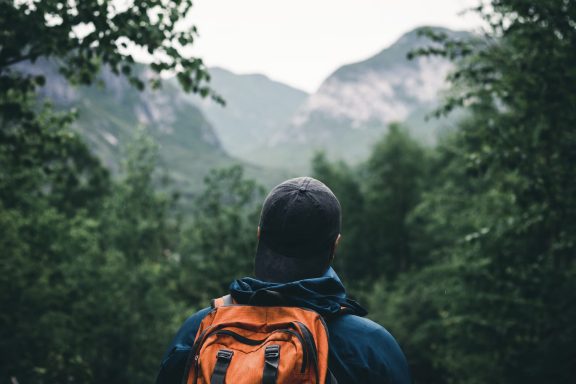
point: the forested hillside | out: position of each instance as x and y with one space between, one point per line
110 112
464 251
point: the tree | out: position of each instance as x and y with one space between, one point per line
353 254
142 224
85 35
377 199
220 242
83 301
396 173
89 274
131 303
509 309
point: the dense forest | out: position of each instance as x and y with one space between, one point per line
464 251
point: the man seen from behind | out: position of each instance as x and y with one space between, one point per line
298 234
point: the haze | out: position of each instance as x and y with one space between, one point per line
300 42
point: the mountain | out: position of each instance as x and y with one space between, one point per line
269 127
353 106
257 108
110 114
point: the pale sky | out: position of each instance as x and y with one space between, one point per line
301 42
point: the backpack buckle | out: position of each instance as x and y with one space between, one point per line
224 354
272 351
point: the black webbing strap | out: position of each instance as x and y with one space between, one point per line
223 358
271 361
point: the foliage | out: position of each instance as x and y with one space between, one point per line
396 172
352 254
85 35
89 281
73 295
89 287
501 220
41 159
376 201
93 292
490 295
220 242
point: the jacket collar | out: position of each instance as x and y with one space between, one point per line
325 294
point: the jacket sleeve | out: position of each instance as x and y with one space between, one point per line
389 361
174 360
172 368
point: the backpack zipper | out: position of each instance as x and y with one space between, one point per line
214 331
248 341
308 345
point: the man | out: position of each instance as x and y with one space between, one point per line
298 235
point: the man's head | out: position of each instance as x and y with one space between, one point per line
299 231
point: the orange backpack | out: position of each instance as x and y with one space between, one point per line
259 344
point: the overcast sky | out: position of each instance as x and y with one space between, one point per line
301 42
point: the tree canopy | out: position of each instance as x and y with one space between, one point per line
86 35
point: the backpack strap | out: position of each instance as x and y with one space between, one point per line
223 358
271 362
222 301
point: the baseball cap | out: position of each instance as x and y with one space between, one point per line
299 223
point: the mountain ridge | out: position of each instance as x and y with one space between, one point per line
273 129
355 104
256 109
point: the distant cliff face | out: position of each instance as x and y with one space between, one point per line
382 89
110 113
376 95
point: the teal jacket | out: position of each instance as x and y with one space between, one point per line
361 351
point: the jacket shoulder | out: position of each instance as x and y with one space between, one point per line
187 332
364 351
174 360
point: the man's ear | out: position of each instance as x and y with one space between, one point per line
336 242
258 233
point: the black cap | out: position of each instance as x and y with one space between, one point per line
300 221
